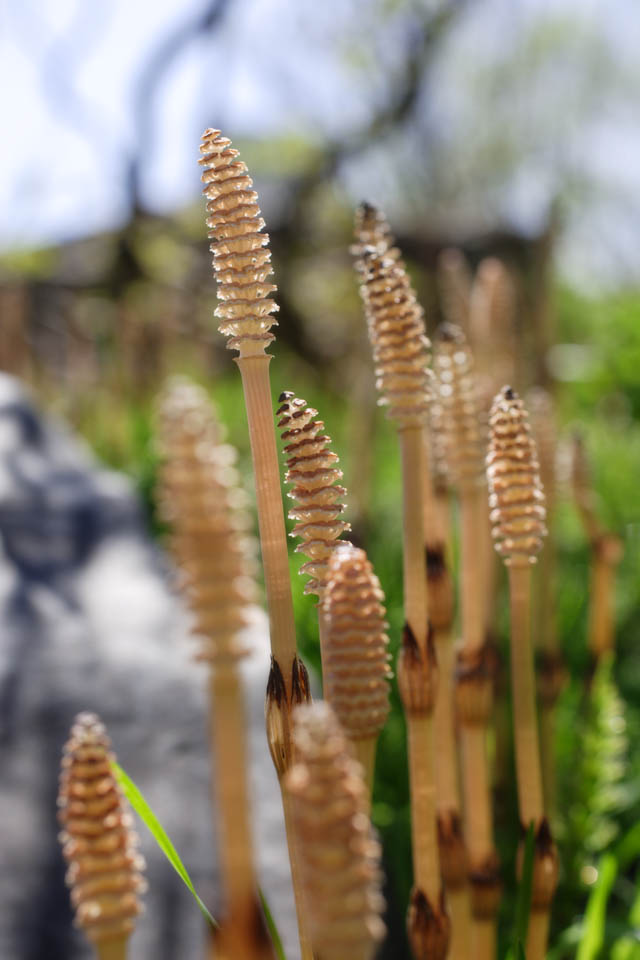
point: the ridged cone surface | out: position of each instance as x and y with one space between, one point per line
98 840
241 258
199 498
458 433
516 498
395 320
339 856
314 476
356 659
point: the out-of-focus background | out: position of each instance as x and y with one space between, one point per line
491 128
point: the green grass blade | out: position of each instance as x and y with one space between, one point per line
523 903
271 926
596 912
146 814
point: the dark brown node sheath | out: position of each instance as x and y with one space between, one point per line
98 841
517 507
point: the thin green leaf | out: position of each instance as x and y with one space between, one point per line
523 903
596 912
146 814
271 925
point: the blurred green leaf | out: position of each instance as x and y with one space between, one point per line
596 912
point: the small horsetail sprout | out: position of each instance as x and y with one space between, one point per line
99 842
518 514
200 498
356 658
318 496
242 263
400 351
340 858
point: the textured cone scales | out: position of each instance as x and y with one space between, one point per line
318 496
457 428
395 320
339 862
516 498
241 260
199 498
356 659
98 841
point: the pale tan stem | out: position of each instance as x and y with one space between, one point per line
538 934
530 795
273 537
601 618
460 911
306 952
472 583
426 866
365 750
229 777
483 939
322 633
477 793
415 565
547 758
447 792
112 949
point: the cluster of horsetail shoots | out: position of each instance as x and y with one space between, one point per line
518 518
200 499
242 264
98 841
459 438
401 359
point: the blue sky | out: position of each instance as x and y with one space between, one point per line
566 111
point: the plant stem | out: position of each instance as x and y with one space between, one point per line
273 539
426 869
483 939
477 793
365 751
306 952
460 910
415 568
446 772
472 567
112 949
530 795
538 935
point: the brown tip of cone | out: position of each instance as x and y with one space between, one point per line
428 927
545 867
486 887
417 672
453 854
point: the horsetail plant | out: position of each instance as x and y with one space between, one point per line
318 496
356 658
518 514
200 499
340 862
98 841
400 351
242 264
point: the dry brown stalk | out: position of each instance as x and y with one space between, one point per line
551 672
459 438
356 658
340 863
518 515
400 351
242 264
606 554
99 842
200 498
454 286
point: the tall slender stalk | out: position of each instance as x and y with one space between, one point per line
518 515
98 841
242 263
199 498
459 438
400 350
